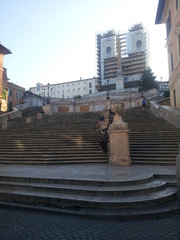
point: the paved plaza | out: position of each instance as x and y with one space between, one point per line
26 224
101 171
34 225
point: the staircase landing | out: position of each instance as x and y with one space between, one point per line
96 190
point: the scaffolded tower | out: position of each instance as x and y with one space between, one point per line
128 52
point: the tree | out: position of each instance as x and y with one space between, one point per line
148 80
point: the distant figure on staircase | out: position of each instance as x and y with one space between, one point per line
104 141
98 125
42 111
8 118
143 103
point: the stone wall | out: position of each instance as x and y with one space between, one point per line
166 112
12 115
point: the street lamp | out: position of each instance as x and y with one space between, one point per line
44 96
142 88
48 99
51 92
107 89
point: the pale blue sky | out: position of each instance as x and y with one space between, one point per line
55 40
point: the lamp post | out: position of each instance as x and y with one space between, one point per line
142 88
48 99
44 96
51 92
107 89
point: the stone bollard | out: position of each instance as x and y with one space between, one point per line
4 125
119 153
39 115
28 120
178 173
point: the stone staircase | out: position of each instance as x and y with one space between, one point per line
58 139
102 198
152 140
71 138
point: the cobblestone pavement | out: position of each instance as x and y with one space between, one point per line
21 224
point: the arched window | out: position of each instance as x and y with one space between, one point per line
108 52
139 45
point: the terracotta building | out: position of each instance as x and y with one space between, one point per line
15 94
168 12
3 51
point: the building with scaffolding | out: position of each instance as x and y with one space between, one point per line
128 52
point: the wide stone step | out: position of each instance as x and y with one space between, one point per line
154 154
55 162
69 200
122 191
136 193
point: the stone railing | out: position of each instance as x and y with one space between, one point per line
21 106
12 115
178 173
166 112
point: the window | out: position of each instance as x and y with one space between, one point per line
68 90
78 89
73 90
84 88
90 85
172 65
18 95
179 43
9 92
174 95
168 24
38 87
108 52
177 3
139 45
90 91
68 85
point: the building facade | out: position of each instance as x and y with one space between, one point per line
33 100
15 94
3 51
168 13
128 52
82 87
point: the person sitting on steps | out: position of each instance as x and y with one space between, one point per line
98 125
8 118
104 141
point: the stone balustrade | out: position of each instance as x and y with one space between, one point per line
166 112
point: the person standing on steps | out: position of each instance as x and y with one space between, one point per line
143 103
98 125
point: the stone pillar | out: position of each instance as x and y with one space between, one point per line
39 115
4 125
28 120
118 139
178 173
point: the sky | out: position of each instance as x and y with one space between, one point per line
54 41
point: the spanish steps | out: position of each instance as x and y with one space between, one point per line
71 138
